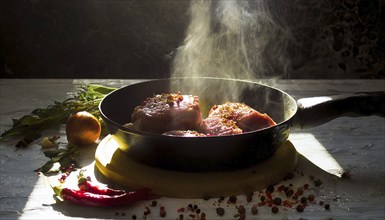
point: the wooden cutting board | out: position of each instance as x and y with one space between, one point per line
117 167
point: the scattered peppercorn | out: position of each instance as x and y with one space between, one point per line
303 200
197 211
220 211
300 208
327 206
263 198
274 209
154 203
254 210
311 197
133 217
241 209
317 182
242 216
299 191
321 203
289 193
277 201
233 199
162 212
281 188
181 216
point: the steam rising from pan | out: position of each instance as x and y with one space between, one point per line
230 39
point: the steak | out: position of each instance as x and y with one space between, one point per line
245 117
220 126
186 133
167 112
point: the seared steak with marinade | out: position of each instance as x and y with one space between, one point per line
243 116
167 112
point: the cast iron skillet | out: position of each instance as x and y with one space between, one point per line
216 153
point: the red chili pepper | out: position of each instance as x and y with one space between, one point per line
91 199
87 186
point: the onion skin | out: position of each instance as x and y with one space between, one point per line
83 129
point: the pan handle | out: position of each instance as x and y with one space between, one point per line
319 110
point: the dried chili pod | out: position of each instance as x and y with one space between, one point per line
91 199
86 185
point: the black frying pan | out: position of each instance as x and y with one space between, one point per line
215 153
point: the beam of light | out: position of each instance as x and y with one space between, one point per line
307 145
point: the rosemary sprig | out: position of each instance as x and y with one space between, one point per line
30 127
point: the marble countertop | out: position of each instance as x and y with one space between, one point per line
351 146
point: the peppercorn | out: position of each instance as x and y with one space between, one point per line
181 216
277 201
311 197
197 211
299 191
233 199
220 211
311 177
303 200
154 203
327 206
249 198
317 182
281 188
289 193
300 208
162 213
254 210
133 217
321 203
274 209
241 209
263 198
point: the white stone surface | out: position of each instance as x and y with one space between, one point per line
356 145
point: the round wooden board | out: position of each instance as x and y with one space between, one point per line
117 167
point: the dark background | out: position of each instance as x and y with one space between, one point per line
136 39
